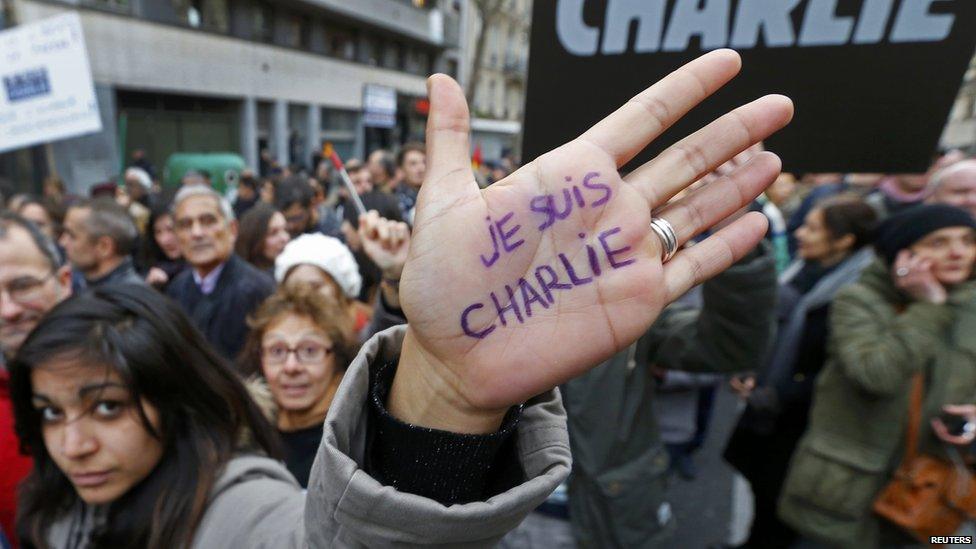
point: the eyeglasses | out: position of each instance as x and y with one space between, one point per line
307 352
26 289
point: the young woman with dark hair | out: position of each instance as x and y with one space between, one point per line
833 250
262 236
161 258
129 416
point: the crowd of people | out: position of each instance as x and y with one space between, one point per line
283 370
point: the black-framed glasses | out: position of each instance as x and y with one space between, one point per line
26 289
306 352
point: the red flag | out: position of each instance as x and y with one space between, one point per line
329 152
476 159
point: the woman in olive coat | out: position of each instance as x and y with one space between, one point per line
913 310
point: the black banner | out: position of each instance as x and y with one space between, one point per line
873 81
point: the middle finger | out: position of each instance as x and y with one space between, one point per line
703 151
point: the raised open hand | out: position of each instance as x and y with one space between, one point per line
516 288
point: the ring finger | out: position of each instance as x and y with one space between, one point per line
714 202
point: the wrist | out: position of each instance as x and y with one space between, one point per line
426 393
392 274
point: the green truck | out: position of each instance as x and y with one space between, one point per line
224 168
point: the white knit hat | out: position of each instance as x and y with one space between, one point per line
140 176
326 253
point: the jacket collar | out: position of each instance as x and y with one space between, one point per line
122 271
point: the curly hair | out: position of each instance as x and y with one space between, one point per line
327 314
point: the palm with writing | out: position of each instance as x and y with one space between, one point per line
514 289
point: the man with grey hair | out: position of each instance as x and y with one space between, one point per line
955 185
220 289
99 237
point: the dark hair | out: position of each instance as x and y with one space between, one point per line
387 162
6 191
248 180
354 165
152 253
205 414
293 190
54 211
847 214
412 146
108 218
41 241
328 314
250 235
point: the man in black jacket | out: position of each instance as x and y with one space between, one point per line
99 237
221 289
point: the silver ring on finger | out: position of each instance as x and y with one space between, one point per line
669 240
902 271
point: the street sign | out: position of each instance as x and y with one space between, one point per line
47 92
379 106
873 81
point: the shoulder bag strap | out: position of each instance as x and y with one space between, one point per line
914 417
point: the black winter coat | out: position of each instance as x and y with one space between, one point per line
222 315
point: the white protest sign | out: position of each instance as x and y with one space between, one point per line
47 92
379 106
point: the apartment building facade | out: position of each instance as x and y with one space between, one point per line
276 77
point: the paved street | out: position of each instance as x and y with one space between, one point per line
713 508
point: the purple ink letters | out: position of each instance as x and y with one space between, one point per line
517 302
497 230
559 206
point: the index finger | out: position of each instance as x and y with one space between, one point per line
629 129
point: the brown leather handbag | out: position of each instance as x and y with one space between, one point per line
927 496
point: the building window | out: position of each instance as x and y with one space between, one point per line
210 15
340 42
263 19
392 55
452 68
370 53
339 127
114 5
295 32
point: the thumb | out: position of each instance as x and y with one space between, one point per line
448 152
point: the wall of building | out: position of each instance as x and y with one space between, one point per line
300 92
129 53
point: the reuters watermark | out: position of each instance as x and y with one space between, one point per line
946 540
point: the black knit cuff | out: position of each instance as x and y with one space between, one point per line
445 467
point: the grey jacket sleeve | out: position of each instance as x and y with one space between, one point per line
345 507
732 330
256 504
